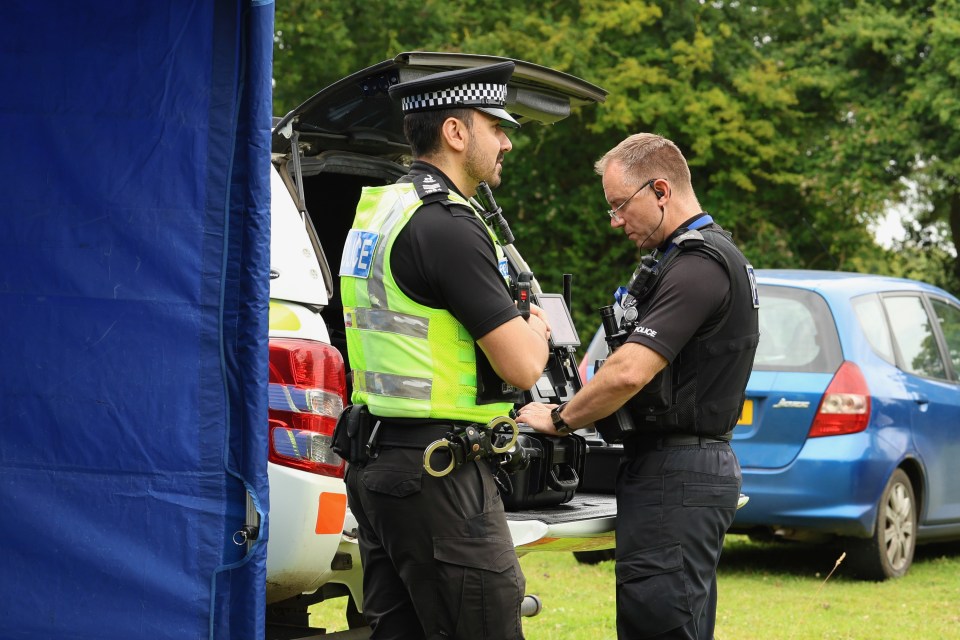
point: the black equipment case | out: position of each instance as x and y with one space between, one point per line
548 473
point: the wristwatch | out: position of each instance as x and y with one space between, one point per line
558 423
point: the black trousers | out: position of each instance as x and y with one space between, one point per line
438 559
674 506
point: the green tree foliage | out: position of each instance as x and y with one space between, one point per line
885 75
800 120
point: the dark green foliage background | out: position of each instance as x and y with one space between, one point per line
803 122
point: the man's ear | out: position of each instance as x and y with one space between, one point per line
454 133
659 190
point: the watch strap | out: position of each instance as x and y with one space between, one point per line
558 422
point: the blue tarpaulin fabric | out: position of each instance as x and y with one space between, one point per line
134 261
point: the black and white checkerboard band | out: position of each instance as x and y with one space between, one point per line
468 95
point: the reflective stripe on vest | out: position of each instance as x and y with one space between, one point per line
395 386
390 321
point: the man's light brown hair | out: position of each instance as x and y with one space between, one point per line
647 156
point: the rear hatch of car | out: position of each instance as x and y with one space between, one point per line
356 113
798 355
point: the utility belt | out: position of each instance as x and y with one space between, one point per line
532 469
639 444
447 445
417 436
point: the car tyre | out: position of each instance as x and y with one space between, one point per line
594 557
889 553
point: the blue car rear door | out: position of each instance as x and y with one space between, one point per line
932 380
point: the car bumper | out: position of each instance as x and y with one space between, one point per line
306 525
831 487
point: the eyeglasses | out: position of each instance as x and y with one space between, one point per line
615 213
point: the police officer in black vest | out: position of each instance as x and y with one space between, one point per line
680 378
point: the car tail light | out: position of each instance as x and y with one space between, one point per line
582 370
845 407
307 392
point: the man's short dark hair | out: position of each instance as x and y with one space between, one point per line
422 129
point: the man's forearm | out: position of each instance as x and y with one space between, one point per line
627 371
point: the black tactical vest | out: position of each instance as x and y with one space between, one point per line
705 383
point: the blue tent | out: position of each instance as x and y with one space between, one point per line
134 155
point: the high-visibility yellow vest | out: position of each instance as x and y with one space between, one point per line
408 360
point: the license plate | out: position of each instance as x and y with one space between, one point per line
746 416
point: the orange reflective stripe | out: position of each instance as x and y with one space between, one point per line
330 513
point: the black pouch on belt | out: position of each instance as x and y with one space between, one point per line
352 433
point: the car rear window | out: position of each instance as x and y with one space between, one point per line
797 332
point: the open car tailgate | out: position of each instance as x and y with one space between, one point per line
586 523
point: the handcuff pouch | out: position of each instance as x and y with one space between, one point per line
352 434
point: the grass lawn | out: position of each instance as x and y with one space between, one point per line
766 591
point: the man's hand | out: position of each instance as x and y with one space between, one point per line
538 314
537 415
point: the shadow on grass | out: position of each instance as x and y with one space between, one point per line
743 556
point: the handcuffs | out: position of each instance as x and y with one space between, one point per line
469 443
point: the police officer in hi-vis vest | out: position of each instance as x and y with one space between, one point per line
679 380
435 341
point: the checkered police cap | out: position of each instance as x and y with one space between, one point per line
467 95
482 88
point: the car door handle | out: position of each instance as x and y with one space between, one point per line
921 399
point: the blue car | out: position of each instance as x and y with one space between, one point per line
851 425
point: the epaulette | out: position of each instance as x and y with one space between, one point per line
690 239
429 189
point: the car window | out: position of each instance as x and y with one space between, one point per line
949 317
914 336
797 332
873 322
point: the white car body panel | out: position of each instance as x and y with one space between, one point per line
298 559
295 268
303 323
